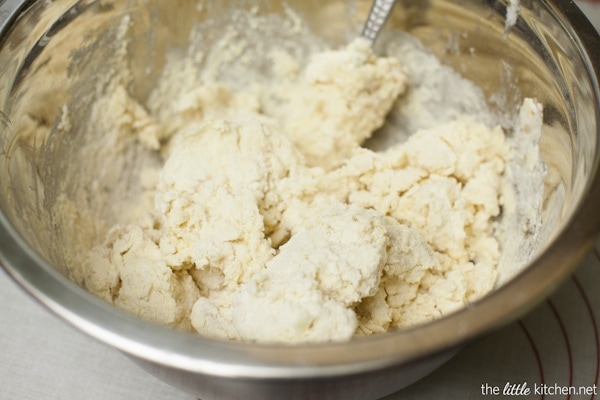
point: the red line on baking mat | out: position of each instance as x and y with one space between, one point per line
563 330
536 353
588 306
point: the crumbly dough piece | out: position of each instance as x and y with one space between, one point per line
445 184
340 99
334 260
130 272
269 222
410 261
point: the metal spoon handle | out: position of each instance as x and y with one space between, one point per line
380 11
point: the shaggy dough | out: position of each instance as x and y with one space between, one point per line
269 222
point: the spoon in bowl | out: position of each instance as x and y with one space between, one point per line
378 16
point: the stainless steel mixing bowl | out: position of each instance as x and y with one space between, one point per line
51 53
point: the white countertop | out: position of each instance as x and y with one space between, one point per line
556 345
